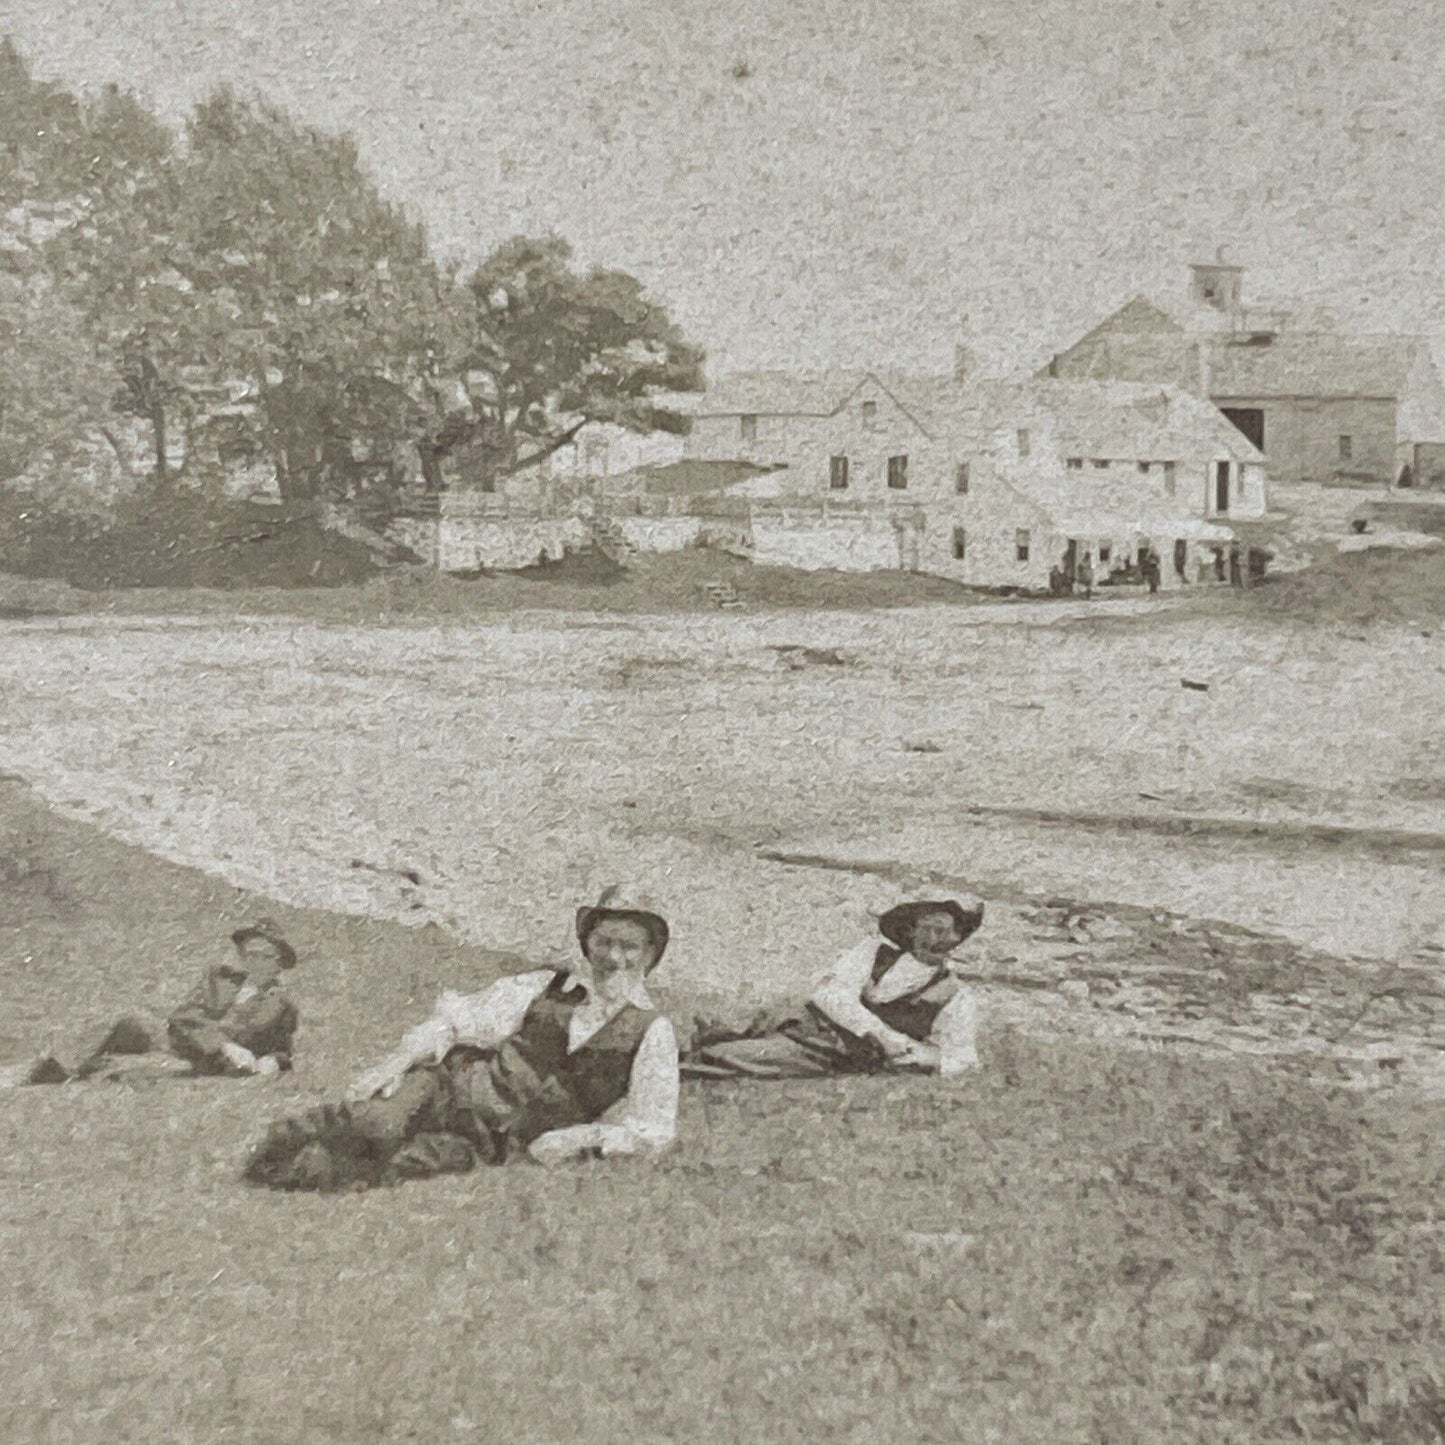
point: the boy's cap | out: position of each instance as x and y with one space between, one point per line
625 900
266 929
896 925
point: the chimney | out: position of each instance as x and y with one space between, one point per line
1204 377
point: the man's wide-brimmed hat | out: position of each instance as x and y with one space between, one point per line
266 929
625 900
896 924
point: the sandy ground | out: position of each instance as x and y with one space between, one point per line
1032 751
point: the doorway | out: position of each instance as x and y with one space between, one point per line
1181 557
1221 487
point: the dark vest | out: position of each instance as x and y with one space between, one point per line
532 1084
912 1014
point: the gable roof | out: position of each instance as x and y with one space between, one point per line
1122 420
775 393
1264 352
788 393
1316 363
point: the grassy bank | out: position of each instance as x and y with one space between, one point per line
1079 1244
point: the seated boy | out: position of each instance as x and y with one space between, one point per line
238 1020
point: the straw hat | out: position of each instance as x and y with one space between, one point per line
625 900
896 923
265 928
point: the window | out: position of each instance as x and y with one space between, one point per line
1024 441
1076 464
1169 479
1100 464
870 416
838 473
960 543
1144 467
1021 544
898 473
1211 292
1106 550
1347 447
748 427
960 478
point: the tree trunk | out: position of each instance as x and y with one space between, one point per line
158 429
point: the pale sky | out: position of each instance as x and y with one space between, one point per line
888 166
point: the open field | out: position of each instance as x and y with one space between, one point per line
1232 1233
1076 1245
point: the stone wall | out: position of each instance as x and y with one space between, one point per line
660 534
464 543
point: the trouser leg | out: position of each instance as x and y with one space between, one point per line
338 1145
434 1152
88 1055
127 1035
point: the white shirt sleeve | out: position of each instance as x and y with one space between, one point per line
649 1112
645 1121
484 1020
488 1019
840 996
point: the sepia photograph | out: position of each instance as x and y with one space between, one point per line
722 724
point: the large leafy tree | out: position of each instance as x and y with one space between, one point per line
545 347
257 252
55 388
319 290
42 135
54 391
117 264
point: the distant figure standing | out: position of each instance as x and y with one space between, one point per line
1086 574
1149 565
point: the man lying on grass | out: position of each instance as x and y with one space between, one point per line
559 1065
892 1005
238 1020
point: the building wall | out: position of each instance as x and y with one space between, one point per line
991 537
851 544
1427 464
660 534
1301 436
805 443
